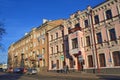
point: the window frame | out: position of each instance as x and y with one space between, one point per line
99 37
96 19
90 61
86 23
108 14
112 34
116 58
88 41
102 60
74 43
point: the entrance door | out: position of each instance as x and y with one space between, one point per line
80 65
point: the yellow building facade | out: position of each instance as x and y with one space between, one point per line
31 51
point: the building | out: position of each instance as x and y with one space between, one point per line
93 36
88 40
56 49
74 33
31 50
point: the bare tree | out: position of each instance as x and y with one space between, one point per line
2 32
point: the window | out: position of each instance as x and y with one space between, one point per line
90 61
74 43
43 62
96 18
43 41
71 63
56 35
77 25
108 14
52 65
116 58
57 48
102 60
43 50
112 34
63 47
69 30
62 33
51 37
88 40
86 23
57 64
51 50
99 38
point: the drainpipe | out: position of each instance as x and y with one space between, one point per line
95 48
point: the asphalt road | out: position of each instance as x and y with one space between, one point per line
11 76
34 77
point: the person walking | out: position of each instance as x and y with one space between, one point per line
67 69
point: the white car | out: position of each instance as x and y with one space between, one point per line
32 71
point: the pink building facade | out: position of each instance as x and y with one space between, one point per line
88 40
94 38
56 48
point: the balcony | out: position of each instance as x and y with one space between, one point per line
74 51
74 29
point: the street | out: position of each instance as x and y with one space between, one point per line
56 76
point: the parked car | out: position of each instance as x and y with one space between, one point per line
10 70
1 70
19 70
16 70
31 71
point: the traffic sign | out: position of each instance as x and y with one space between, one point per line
62 57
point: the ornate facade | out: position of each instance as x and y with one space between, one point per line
87 41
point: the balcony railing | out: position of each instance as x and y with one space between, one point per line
74 29
74 51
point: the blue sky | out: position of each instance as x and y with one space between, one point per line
20 16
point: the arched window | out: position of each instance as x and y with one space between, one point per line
116 58
102 60
90 61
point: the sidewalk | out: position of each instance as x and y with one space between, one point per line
79 75
71 74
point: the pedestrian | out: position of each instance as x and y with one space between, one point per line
67 69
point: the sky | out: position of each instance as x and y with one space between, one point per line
20 16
